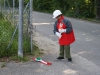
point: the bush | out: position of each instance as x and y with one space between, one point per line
1 16
6 31
5 35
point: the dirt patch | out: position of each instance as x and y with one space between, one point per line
4 59
49 46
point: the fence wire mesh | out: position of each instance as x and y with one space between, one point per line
11 13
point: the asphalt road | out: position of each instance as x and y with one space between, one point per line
87 35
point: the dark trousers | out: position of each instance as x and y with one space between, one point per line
65 50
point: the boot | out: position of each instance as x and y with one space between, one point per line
70 59
60 58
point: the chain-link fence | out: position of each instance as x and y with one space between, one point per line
11 13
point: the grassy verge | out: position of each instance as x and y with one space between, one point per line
82 17
6 31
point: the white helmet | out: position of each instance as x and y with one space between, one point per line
56 13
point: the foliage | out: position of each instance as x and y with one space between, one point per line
19 59
43 5
1 15
10 2
26 1
73 8
4 36
6 31
81 8
97 3
3 64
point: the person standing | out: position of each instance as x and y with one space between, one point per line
63 29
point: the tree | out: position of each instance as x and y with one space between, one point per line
97 2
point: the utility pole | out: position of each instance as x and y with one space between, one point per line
20 31
31 26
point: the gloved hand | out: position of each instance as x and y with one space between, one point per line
62 30
58 34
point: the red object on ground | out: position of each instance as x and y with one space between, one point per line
41 61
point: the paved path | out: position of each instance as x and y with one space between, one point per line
87 35
86 48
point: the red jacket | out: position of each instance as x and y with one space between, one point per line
68 37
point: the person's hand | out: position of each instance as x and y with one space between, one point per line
62 30
58 34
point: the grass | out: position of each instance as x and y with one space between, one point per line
3 65
28 56
19 59
6 31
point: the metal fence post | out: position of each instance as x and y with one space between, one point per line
13 11
20 33
4 7
31 26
